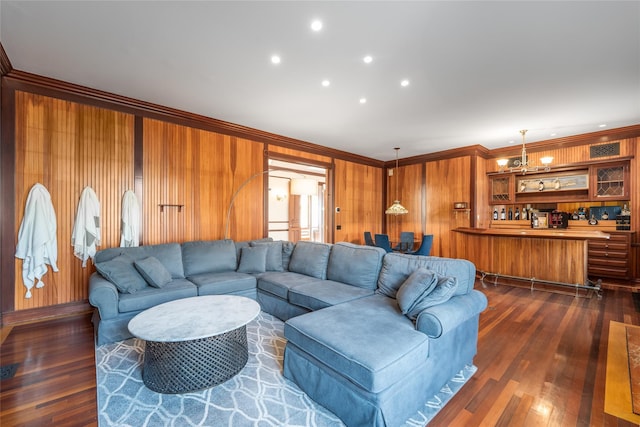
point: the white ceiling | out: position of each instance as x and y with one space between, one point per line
479 71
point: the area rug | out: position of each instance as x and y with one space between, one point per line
617 393
633 356
258 396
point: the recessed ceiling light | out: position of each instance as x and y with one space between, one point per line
326 83
316 25
367 59
404 83
275 59
553 134
602 125
363 100
511 142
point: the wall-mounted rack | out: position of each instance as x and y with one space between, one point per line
166 205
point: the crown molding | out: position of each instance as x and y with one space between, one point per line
27 82
5 64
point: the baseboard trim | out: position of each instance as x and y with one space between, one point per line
33 315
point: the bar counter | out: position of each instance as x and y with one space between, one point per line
546 255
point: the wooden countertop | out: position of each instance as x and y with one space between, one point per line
540 233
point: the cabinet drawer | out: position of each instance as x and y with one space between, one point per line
608 262
612 246
595 271
604 253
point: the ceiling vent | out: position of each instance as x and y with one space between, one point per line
605 150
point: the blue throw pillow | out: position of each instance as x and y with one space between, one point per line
153 271
121 272
253 259
443 291
417 286
274 254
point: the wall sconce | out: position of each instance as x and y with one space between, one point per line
546 161
502 163
280 196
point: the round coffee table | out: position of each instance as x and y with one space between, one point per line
194 343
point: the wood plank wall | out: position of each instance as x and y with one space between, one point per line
199 170
66 146
410 183
358 194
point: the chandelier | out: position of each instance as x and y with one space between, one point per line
523 165
396 208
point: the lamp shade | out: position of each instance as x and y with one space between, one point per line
396 209
304 187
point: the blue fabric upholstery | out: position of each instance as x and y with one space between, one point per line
406 241
443 318
316 296
150 296
355 265
367 340
310 258
223 283
121 272
278 284
169 254
213 256
153 271
253 259
417 286
274 255
382 241
397 267
368 240
425 246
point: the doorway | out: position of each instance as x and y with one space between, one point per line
294 215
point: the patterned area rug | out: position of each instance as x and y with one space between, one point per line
258 396
633 353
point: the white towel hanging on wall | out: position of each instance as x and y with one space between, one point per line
86 230
130 220
37 241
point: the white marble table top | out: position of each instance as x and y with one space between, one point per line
193 318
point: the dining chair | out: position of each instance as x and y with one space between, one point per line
406 242
368 240
425 246
382 241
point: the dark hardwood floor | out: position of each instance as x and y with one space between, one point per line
541 361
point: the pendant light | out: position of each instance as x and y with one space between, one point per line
396 208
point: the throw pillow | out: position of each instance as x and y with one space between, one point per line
274 254
417 286
153 271
253 259
445 288
121 272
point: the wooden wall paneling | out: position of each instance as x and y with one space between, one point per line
410 182
358 194
200 170
447 182
7 189
299 154
66 146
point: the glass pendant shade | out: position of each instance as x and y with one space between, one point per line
396 208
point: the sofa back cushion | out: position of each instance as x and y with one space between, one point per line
211 256
355 264
310 258
169 255
396 268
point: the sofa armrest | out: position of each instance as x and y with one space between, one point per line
438 320
104 296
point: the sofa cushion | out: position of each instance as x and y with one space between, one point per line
397 267
223 283
287 250
274 254
121 272
253 259
443 291
153 271
310 258
367 340
316 296
212 256
279 284
246 243
150 296
417 286
169 254
355 264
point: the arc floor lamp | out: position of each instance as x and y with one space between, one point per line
299 187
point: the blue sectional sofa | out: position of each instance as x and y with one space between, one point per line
370 335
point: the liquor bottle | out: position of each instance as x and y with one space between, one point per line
503 214
534 220
495 214
525 214
517 214
510 214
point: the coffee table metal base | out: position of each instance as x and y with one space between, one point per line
184 366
